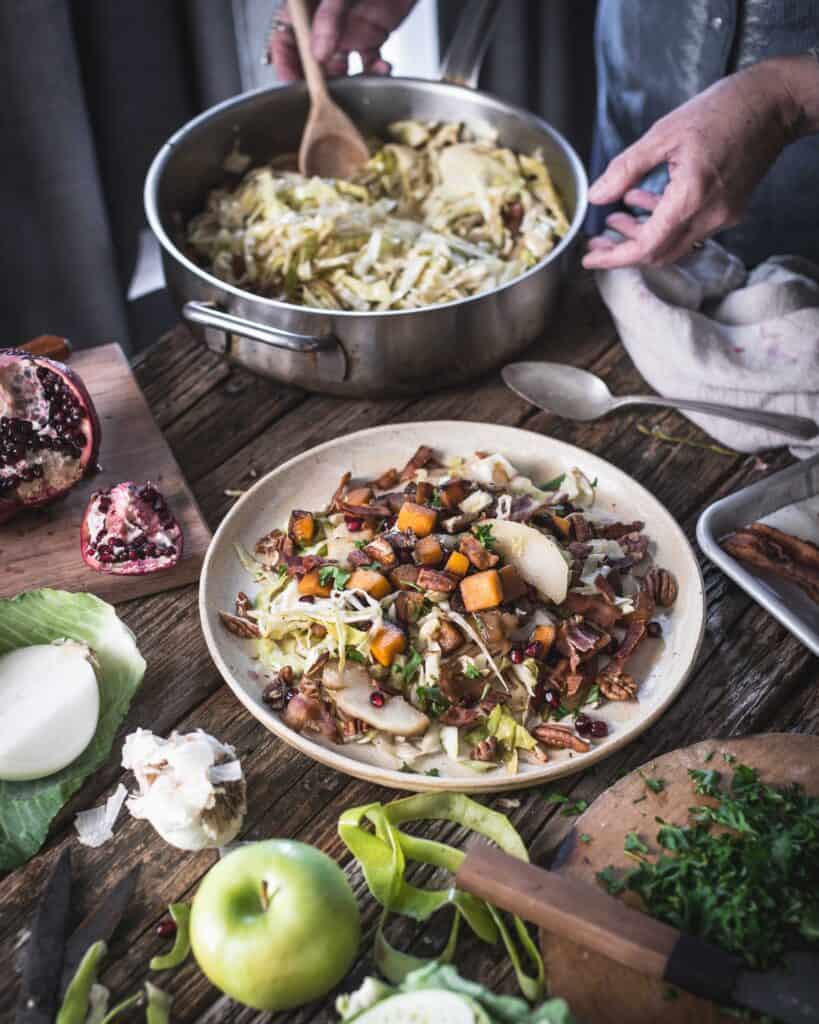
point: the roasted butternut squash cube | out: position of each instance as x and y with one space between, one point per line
545 635
371 582
311 586
387 643
418 518
512 582
457 563
428 551
482 590
302 527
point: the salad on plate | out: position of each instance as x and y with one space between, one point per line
456 616
437 214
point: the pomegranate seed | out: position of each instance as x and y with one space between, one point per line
551 698
654 630
599 729
377 699
353 524
166 928
535 650
516 655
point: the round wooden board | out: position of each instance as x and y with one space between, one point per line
598 990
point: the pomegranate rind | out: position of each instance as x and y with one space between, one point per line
122 518
42 491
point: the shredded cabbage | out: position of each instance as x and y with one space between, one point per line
438 215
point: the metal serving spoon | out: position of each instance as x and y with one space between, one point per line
579 395
331 146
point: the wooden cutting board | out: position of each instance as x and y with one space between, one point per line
42 548
598 990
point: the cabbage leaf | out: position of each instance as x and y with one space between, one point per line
40 617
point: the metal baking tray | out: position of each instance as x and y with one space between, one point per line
788 500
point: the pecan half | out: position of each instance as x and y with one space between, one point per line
560 736
352 727
460 716
245 628
272 546
486 750
275 693
662 586
617 685
243 604
382 551
477 553
614 531
432 579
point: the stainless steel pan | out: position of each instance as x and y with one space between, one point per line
351 353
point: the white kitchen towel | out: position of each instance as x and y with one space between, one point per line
706 328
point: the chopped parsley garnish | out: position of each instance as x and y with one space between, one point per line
554 483
569 810
432 700
483 531
433 772
352 654
634 844
584 837
472 671
655 785
435 502
333 575
360 544
406 769
561 712
594 696
412 665
748 885
594 483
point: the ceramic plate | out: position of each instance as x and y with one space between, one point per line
307 481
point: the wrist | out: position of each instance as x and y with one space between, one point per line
795 84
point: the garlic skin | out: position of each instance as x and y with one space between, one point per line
192 803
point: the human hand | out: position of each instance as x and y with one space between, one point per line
340 27
717 147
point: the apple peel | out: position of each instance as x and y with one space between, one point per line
383 855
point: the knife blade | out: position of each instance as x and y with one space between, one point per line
607 926
99 924
37 1003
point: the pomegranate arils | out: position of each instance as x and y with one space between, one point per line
166 928
595 728
129 530
377 699
45 409
353 524
516 656
535 650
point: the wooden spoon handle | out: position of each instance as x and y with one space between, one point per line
568 908
300 17
52 346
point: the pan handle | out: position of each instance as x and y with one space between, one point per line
325 350
473 33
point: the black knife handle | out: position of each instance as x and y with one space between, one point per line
703 969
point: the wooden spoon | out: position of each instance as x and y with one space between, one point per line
331 146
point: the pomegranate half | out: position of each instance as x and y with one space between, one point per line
49 431
129 530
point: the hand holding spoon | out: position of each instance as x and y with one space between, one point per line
331 146
577 394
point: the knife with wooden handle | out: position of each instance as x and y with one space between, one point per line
604 925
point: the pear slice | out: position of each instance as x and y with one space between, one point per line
536 557
396 716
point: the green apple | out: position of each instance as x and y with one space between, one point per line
275 924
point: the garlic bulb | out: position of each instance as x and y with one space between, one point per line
191 787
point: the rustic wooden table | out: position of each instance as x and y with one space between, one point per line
228 427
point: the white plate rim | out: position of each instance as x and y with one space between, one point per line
414 782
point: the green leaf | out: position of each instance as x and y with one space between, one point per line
432 700
634 844
333 575
413 663
554 483
40 617
432 772
584 837
483 531
355 655
609 878
557 798
655 785
472 671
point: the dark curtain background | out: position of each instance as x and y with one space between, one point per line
92 88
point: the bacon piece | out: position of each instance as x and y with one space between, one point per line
422 457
